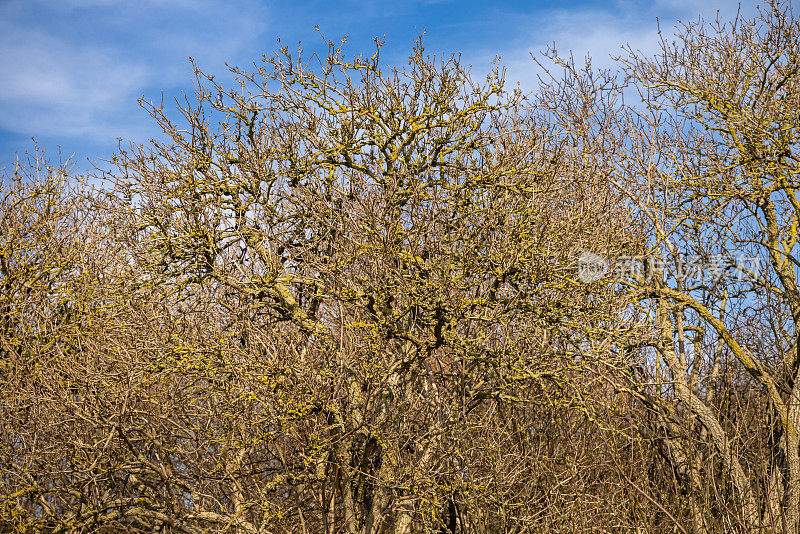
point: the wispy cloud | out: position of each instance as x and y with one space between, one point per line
73 69
708 9
76 68
603 33
63 88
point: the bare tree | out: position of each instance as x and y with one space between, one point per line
336 299
712 163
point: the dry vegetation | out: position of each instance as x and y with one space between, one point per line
342 297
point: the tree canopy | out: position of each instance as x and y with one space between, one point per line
341 296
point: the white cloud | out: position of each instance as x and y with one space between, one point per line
81 74
727 9
596 34
60 88
602 33
75 68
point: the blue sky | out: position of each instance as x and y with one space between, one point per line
72 70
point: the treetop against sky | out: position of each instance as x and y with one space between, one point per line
73 70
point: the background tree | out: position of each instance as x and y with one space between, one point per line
713 164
